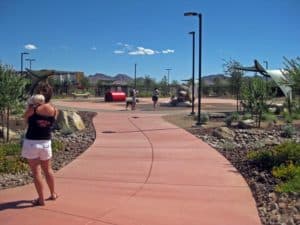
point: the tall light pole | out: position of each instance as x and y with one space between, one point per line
200 63
22 54
193 72
267 67
168 80
135 76
30 61
267 64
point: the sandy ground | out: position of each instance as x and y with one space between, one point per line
145 104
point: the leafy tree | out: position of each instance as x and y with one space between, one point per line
149 83
12 87
85 83
255 97
163 86
293 68
236 75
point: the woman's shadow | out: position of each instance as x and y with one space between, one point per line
20 204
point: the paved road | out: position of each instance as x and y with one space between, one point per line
140 170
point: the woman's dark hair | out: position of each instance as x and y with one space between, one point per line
46 90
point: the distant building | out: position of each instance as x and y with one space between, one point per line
73 77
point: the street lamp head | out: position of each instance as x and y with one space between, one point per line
192 32
191 14
25 53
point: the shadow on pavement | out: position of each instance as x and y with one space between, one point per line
20 204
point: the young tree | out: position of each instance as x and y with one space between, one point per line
293 68
236 76
255 97
163 86
12 87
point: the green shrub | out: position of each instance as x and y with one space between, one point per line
204 117
246 116
13 164
263 159
287 152
290 177
228 120
287 117
292 185
10 158
10 149
286 172
57 145
269 117
231 118
295 116
288 130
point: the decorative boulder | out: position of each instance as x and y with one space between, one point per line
76 120
245 124
224 133
12 135
69 121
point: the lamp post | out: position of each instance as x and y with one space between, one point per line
267 64
30 61
267 67
23 53
135 76
193 72
168 80
200 63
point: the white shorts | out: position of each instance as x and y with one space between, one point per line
37 149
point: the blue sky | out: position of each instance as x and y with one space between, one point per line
110 36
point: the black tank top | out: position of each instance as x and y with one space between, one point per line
39 126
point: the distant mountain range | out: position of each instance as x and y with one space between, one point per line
211 79
125 79
117 79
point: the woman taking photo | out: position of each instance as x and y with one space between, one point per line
37 143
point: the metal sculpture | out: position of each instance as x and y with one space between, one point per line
279 76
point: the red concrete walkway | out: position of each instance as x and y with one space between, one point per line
141 170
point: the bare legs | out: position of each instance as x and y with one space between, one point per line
35 166
47 169
37 176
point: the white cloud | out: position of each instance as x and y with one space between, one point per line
30 47
130 50
93 48
168 51
119 52
143 51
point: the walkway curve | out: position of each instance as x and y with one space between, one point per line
140 170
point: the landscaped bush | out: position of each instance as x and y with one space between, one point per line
290 177
282 154
287 117
57 146
204 117
246 116
288 130
287 152
263 159
11 160
231 118
269 117
284 162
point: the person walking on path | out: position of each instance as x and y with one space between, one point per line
37 143
155 96
133 94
